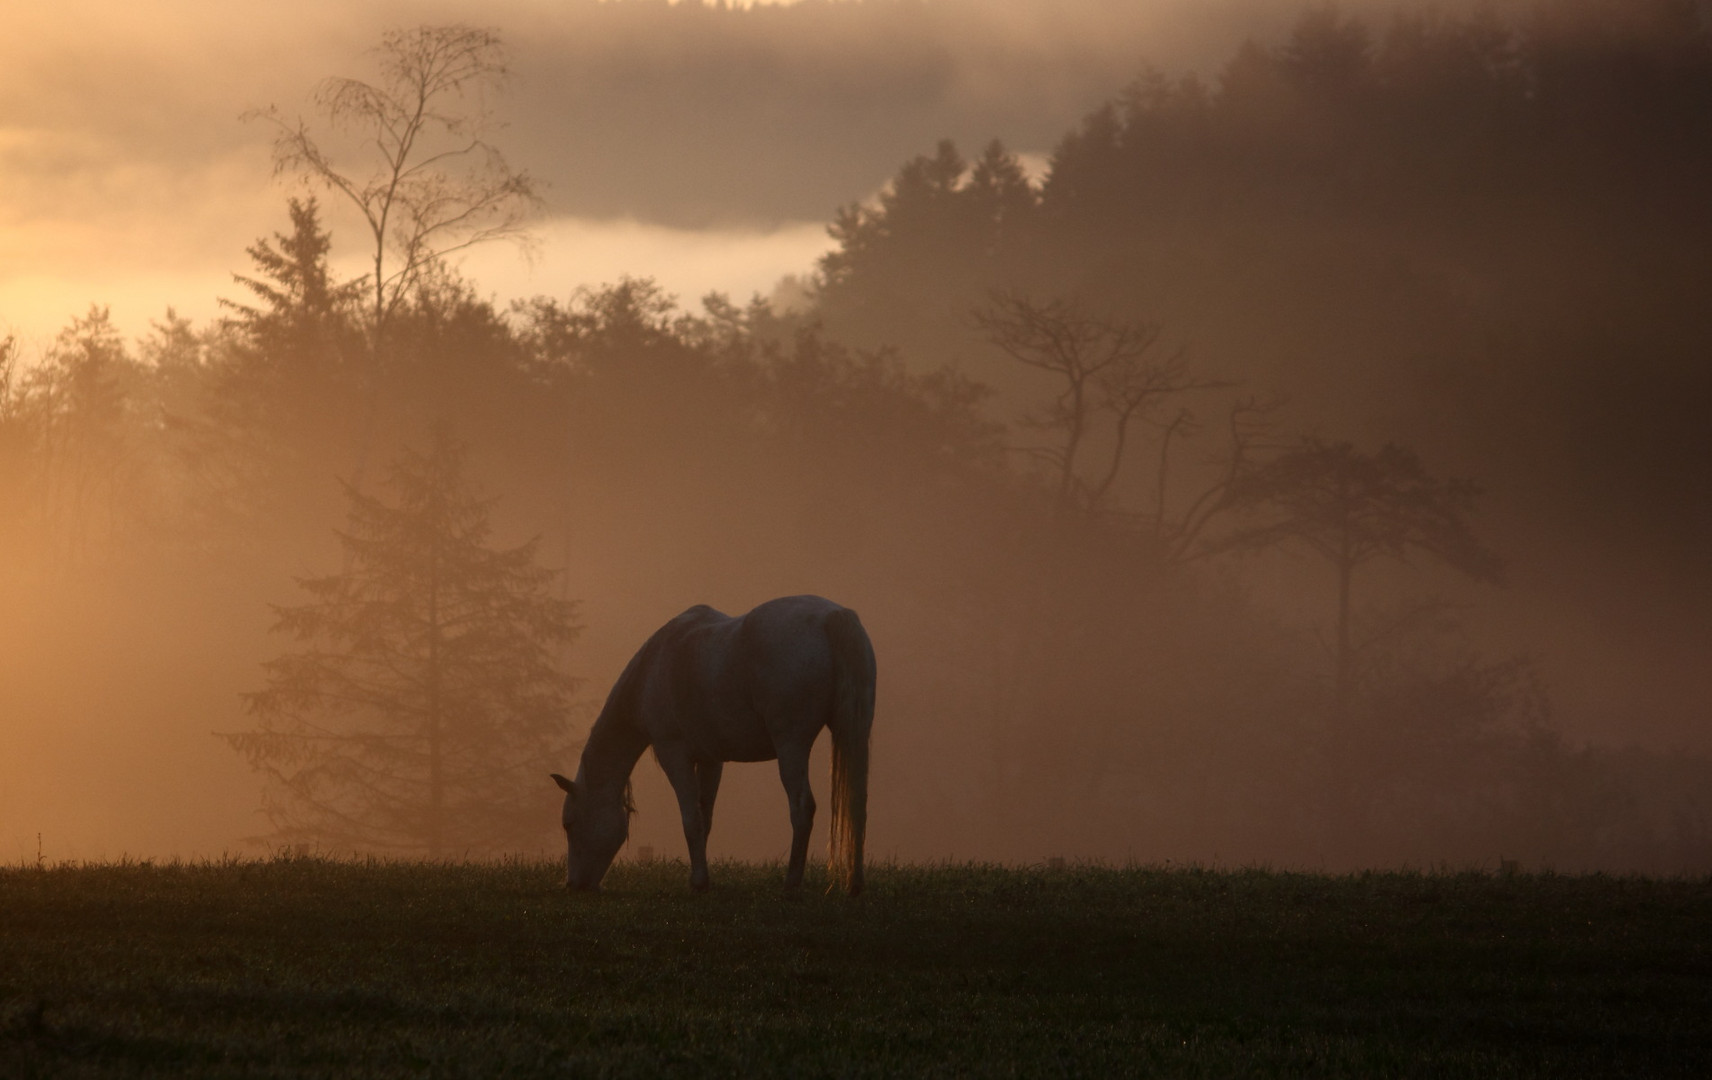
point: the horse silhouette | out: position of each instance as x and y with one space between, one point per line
708 688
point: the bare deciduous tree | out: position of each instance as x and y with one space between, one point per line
1105 367
1250 435
421 171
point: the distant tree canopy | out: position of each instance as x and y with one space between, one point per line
1499 220
1436 131
666 457
1105 370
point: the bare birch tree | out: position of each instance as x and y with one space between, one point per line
418 165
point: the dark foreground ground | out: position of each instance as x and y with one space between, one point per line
316 968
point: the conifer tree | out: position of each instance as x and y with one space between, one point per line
302 314
423 702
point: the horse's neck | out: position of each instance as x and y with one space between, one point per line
614 744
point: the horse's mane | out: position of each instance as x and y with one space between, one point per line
621 701
619 712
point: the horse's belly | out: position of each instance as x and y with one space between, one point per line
747 746
752 755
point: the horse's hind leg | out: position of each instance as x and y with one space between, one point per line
681 771
707 777
793 770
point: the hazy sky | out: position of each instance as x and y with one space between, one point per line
126 176
707 160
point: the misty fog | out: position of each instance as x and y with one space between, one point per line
1422 245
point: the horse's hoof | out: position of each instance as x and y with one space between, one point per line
700 886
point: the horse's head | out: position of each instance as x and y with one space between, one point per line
595 828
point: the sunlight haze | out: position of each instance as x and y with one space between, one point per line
1449 258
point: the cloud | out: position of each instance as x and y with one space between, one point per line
705 138
687 262
36 301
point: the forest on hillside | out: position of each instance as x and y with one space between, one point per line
1481 237
1216 497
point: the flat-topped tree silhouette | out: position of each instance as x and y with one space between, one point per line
1353 509
424 702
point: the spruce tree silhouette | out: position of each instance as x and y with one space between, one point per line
424 701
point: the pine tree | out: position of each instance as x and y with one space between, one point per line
424 702
302 314
280 401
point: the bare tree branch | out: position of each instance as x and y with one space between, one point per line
1104 367
426 182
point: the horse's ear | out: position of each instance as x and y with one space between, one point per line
569 788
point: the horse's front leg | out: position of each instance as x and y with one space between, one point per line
708 774
793 770
681 771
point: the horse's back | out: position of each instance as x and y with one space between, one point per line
739 688
777 624
787 654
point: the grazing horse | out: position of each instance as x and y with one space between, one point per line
708 688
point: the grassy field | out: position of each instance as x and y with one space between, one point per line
308 967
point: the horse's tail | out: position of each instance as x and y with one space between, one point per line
852 719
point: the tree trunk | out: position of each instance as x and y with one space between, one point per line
1345 662
1345 570
436 774
1072 443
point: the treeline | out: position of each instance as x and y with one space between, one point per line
1433 174
1055 681
183 481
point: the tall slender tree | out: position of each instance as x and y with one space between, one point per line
417 165
83 403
